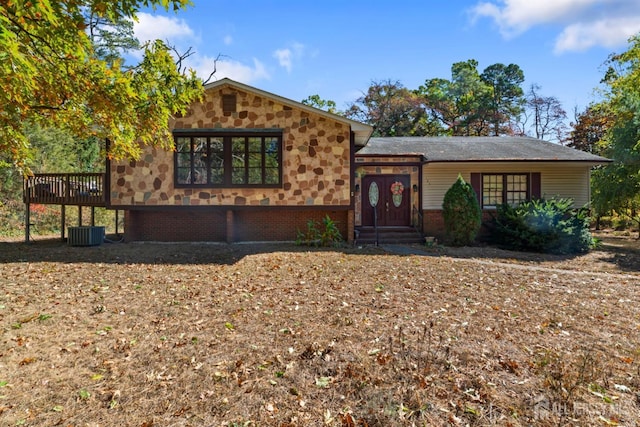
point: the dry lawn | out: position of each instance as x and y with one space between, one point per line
276 335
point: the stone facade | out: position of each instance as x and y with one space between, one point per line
316 153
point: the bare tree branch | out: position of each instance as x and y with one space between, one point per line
181 58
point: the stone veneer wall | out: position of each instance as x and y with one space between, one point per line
316 159
387 169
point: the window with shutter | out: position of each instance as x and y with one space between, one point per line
494 189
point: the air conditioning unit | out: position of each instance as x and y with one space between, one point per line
85 236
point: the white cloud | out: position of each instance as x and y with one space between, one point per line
607 32
286 55
517 16
234 70
151 27
168 29
284 58
585 23
178 32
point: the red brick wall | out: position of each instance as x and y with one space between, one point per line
168 226
280 225
248 225
433 223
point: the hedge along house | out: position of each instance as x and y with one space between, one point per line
248 165
500 169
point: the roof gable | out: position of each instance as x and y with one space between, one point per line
476 149
361 131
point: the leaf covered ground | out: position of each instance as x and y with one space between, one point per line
277 335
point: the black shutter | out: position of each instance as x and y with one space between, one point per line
536 191
476 184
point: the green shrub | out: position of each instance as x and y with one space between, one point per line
316 234
549 226
462 214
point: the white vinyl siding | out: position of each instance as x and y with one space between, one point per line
561 179
567 182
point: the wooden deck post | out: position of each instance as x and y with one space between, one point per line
27 221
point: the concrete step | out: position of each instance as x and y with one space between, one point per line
388 235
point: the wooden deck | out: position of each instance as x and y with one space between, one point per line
78 189
64 189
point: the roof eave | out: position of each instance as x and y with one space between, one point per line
520 160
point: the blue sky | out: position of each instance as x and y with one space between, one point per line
336 48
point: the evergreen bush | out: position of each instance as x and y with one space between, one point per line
548 226
462 214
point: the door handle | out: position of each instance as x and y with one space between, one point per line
387 205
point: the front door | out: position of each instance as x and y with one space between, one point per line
388 196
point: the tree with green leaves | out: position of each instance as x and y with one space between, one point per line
392 110
58 69
55 150
590 128
617 185
110 36
457 102
474 104
505 97
322 104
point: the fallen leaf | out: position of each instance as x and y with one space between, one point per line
323 382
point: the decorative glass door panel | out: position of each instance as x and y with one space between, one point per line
392 200
374 194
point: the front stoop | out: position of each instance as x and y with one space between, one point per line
387 235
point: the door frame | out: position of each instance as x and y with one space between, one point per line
383 182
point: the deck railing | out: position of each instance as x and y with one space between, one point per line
82 189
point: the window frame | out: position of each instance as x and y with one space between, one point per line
261 161
505 190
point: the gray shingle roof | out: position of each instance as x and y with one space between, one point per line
476 149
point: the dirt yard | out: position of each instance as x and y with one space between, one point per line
277 335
